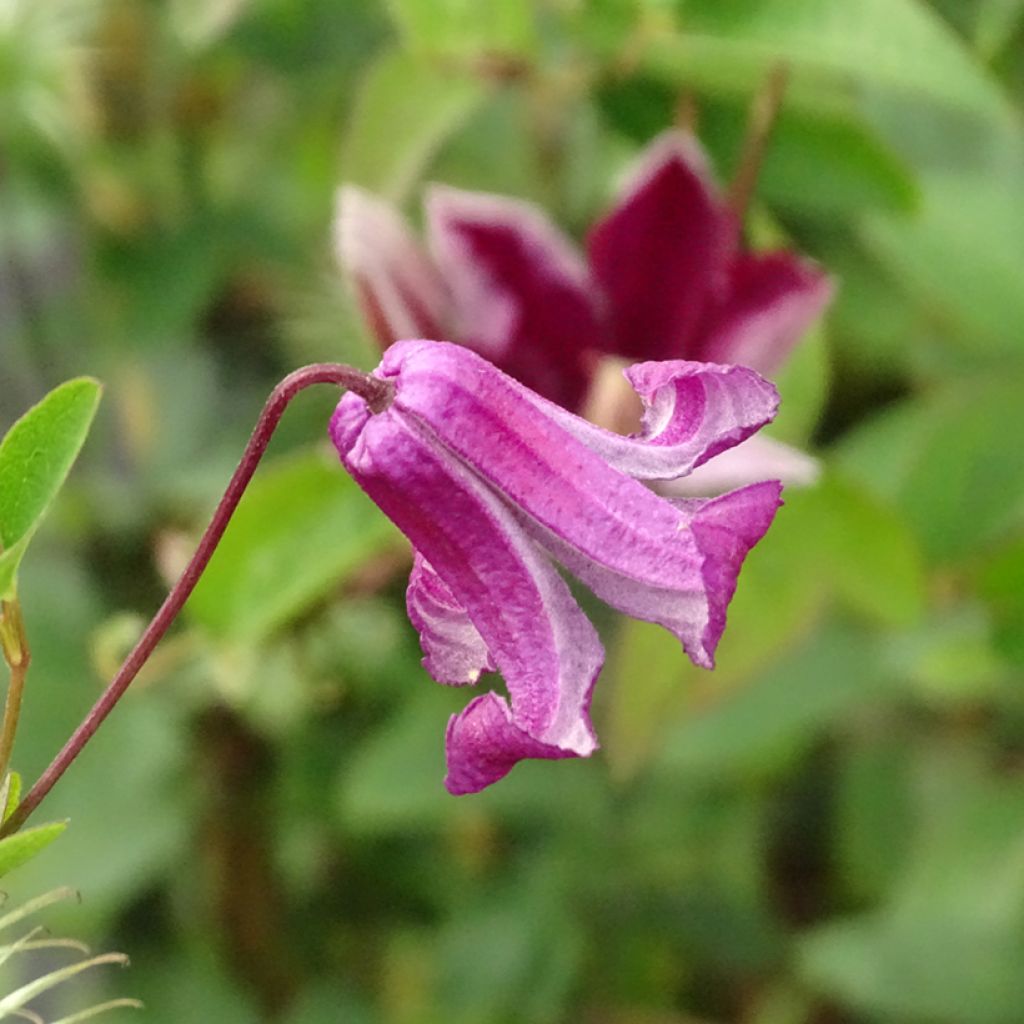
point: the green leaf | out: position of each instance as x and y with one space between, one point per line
754 726
946 947
823 163
466 27
949 462
959 258
35 458
24 845
832 47
10 794
403 112
302 525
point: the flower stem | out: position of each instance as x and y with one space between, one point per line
764 112
376 393
14 643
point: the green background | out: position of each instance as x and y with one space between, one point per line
829 829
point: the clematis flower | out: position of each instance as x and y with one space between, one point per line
664 277
494 485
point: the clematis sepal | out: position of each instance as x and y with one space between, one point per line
493 485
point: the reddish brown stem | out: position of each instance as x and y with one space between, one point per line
376 392
764 112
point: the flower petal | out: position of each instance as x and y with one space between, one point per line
399 289
724 530
454 651
636 550
662 253
692 412
483 744
772 300
522 293
757 458
538 638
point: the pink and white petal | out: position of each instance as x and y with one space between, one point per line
537 636
483 744
522 293
454 651
691 413
757 458
723 530
637 551
399 289
662 253
486 421
771 302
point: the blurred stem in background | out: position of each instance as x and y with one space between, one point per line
18 655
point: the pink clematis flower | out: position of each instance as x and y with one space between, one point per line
664 277
493 485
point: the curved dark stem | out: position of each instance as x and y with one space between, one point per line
377 394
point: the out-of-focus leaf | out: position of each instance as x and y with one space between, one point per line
302 525
803 387
10 794
35 457
403 112
995 25
830 541
826 163
635 702
395 780
141 747
999 580
465 28
947 947
752 727
960 256
949 462
534 946
952 658
874 809
873 560
24 845
831 45
327 1004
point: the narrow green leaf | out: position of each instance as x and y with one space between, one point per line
35 458
95 1011
19 997
31 906
23 846
300 528
10 794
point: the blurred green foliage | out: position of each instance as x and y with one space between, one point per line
829 828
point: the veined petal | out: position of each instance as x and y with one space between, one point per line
637 551
771 302
537 636
757 458
483 744
522 293
662 254
454 651
692 412
399 289
724 530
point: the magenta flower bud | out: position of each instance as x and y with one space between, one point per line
493 485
